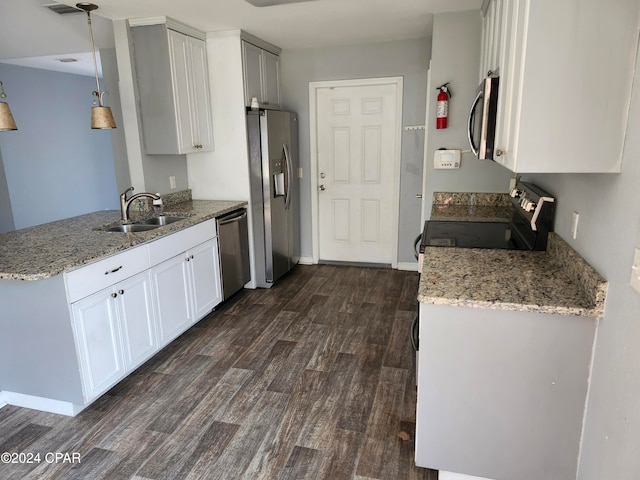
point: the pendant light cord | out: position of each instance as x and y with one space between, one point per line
98 93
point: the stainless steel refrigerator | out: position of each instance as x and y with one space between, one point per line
275 202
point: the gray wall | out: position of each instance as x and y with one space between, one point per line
6 215
56 166
608 233
409 59
456 59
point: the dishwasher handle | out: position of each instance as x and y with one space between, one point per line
233 219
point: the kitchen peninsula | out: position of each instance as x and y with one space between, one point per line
84 306
505 351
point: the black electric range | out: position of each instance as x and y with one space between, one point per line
528 229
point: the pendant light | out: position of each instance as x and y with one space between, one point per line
101 116
6 119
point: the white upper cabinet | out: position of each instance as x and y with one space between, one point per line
492 37
261 70
566 70
173 85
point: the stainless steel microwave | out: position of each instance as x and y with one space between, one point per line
482 119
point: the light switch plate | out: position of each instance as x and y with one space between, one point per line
446 159
635 271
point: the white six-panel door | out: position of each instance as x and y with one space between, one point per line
357 147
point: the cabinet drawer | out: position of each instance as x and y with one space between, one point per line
98 275
167 247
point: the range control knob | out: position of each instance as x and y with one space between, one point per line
515 193
529 206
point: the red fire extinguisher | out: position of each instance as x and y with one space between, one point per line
442 108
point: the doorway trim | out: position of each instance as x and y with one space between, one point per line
313 155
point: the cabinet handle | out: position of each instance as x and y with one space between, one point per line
114 295
121 292
191 257
187 259
113 271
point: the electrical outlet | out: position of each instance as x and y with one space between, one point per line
300 172
172 182
574 225
635 271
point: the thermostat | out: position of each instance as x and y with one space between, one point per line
446 159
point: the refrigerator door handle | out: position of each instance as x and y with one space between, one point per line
288 177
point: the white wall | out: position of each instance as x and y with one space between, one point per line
456 59
223 174
408 59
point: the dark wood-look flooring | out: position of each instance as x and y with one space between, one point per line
312 379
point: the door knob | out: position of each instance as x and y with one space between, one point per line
322 188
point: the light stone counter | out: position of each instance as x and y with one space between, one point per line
558 281
47 250
471 207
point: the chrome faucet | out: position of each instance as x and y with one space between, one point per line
126 203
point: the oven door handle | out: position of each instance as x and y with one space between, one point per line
416 246
414 333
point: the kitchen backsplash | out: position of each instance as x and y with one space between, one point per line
168 199
473 207
468 198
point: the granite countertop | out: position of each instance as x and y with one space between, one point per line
47 250
557 281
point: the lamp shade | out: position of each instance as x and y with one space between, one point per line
6 119
102 118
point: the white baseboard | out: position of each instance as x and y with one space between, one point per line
3 401
306 261
457 476
408 266
38 403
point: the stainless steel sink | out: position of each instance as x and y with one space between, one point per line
160 220
132 228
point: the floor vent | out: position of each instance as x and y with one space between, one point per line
62 9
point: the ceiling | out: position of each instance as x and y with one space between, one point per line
29 30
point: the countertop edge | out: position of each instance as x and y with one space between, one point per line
596 312
132 239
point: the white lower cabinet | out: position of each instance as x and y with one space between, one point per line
186 287
175 281
204 269
115 332
137 317
171 295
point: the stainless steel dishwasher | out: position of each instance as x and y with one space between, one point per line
233 238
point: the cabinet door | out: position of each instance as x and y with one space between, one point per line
98 342
171 298
200 101
510 90
137 319
205 277
271 79
252 71
179 55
